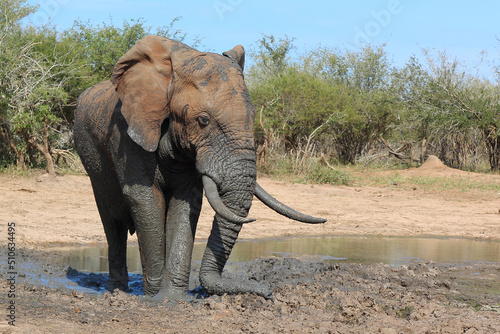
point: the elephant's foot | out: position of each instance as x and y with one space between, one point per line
165 296
112 286
118 279
151 286
173 294
214 284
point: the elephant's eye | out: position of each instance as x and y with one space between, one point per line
203 121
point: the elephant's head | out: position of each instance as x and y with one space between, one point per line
210 125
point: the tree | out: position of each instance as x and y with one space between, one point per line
29 92
11 12
271 57
342 97
33 84
446 102
365 96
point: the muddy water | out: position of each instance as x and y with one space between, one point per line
353 249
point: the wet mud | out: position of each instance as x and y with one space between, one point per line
309 297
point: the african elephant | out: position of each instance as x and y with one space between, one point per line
170 123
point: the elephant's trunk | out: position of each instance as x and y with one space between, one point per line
230 193
220 243
236 193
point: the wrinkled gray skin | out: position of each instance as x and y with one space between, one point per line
170 120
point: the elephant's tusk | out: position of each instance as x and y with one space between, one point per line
284 210
215 201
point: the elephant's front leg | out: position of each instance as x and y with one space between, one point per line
147 206
182 217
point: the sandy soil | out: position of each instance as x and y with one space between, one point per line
308 297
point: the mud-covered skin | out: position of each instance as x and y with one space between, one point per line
196 109
168 118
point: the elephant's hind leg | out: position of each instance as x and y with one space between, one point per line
116 234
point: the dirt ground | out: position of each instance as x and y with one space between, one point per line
309 297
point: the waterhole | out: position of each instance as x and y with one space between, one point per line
394 251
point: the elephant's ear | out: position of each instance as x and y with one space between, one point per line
142 78
237 54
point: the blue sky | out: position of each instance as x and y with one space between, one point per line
463 28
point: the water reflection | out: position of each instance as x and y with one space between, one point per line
391 250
